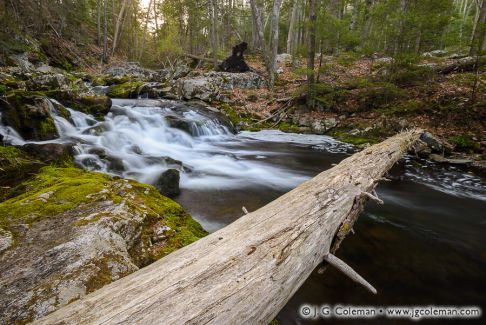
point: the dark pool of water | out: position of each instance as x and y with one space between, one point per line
424 246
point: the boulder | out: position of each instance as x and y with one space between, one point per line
208 86
434 144
29 115
76 231
130 69
180 72
50 152
321 126
47 81
421 149
168 182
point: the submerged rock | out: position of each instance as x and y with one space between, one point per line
168 182
76 231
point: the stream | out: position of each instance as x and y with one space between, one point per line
424 246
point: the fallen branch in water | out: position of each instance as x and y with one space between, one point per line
246 272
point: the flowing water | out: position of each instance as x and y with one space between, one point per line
425 246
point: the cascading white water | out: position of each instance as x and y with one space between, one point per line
136 141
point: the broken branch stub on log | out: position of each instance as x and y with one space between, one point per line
246 272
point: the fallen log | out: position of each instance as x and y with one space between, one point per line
462 65
246 272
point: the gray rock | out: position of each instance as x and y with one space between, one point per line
61 258
435 53
452 161
131 69
47 81
49 152
207 86
180 72
432 142
284 58
168 183
6 240
324 125
421 149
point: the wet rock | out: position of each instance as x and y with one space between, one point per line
421 149
29 116
432 142
98 106
452 161
179 122
50 152
168 183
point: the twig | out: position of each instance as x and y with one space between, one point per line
348 270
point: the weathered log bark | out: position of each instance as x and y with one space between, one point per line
246 272
463 65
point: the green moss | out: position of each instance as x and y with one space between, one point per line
68 188
15 167
3 89
125 90
245 121
465 143
403 108
344 136
57 190
288 127
26 112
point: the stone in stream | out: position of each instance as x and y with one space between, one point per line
29 115
452 161
168 182
50 152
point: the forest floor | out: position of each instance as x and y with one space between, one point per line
370 103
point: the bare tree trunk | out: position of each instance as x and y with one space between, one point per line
98 22
145 28
274 41
214 37
257 22
104 58
311 53
479 31
246 272
118 25
292 27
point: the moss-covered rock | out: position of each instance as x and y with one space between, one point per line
15 167
29 115
74 231
97 106
125 90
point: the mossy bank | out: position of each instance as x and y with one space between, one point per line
73 231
